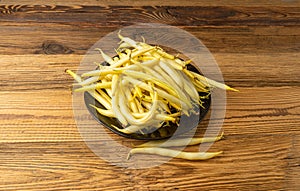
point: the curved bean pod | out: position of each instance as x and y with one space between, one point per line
181 142
174 153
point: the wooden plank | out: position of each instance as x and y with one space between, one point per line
70 165
250 3
28 73
250 70
65 38
239 70
178 16
258 110
46 115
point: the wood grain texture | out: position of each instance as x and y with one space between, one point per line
250 3
260 28
235 39
191 15
250 70
70 165
255 43
22 116
180 16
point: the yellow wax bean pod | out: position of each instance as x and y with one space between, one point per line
174 153
105 112
181 142
94 86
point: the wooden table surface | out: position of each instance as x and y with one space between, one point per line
256 44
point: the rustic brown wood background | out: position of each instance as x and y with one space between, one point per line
256 44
